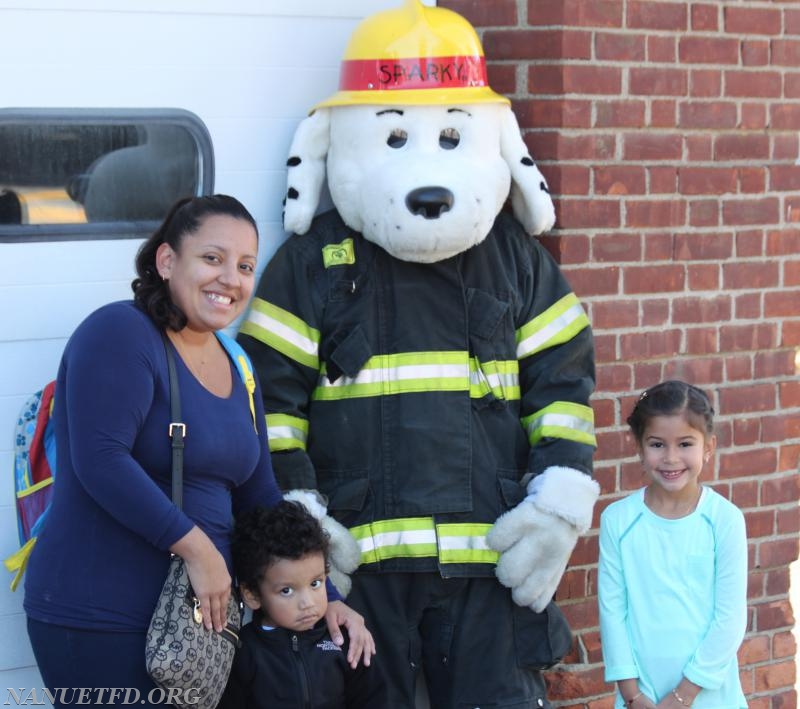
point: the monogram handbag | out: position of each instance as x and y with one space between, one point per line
191 664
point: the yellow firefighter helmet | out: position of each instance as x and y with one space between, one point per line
413 55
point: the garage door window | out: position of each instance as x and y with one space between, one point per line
82 174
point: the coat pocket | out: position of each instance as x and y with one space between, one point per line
344 493
512 492
492 348
486 313
349 353
541 639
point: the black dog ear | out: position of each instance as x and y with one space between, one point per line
530 196
306 171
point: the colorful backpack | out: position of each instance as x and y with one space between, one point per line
34 468
35 458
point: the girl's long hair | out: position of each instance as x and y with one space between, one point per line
667 399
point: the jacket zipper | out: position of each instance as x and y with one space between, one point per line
301 671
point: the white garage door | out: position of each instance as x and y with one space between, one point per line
249 69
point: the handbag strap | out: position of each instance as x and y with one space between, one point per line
177 429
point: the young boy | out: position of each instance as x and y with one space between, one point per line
287 658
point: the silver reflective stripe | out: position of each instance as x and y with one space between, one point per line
287 432
561 419
397 538
495 380
539 339
284 332
462 542
401 373
416 537
465 543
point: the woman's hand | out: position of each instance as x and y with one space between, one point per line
208 575
362 644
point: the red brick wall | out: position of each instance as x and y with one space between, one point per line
669 133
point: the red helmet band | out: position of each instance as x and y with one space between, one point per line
412 73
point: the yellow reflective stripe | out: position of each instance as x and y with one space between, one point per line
561 419
402 373
465 543
501 378
286 432
556 325
283 331
415 537
478 382
395 538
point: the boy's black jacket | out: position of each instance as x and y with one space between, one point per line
284 669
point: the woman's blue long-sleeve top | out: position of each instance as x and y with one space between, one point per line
102 556
673 598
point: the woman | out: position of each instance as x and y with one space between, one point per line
98 566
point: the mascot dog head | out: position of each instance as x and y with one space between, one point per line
421 154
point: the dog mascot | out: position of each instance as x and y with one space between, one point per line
426 367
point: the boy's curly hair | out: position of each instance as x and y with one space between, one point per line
263 536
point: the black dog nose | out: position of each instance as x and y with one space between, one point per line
429 202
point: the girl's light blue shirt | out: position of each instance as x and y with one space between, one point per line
673 598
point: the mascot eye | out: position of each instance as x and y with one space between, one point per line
449 138
397 138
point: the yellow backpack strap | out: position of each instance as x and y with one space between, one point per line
244 367
250 385
17 562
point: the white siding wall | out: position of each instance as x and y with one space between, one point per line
250 69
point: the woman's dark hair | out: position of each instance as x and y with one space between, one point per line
667 399
263 536
150 291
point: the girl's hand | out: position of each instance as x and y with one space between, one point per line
670 702
208 575
681 697
639 701
362 644
633 697
644 702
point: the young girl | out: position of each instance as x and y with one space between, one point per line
673 566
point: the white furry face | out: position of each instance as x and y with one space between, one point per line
423 182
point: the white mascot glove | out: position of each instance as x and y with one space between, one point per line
536 538
345 554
